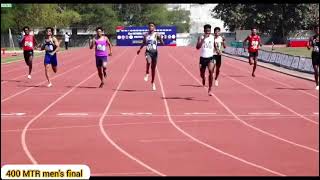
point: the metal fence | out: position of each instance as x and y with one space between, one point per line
297 63
75 41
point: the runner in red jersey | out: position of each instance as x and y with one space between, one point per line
28 43
253 47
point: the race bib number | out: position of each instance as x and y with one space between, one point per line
218 46
101 47
151 47
28 44
254 44
49 47
207 45
316 48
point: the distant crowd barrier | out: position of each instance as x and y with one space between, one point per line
297 63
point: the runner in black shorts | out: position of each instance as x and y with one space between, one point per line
204 62
206 45
28 42
150 39
253 47
218 43
314 43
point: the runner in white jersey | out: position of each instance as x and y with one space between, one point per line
206 43
150 40
218 43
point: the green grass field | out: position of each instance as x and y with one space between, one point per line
295 51
19 57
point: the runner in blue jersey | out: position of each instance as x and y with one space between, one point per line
51 47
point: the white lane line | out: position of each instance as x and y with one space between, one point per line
12 114
201 142
165 140
104 131
241 120
135 114
199 113
25 129
267 113
72 114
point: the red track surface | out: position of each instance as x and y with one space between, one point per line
262 126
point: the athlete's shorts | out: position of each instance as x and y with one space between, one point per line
101 61
253 54
315 58
152 57
48 59
204 62
27 54
217 59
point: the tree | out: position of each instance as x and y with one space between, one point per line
278 19
37 15
181 19
141 14
93 15
89 16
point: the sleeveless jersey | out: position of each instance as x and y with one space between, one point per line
101 47
207 47
49 45
151 40
28 43
253 43
218 43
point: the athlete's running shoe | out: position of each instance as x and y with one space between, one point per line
216 83
146 77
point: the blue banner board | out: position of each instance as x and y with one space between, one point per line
133 36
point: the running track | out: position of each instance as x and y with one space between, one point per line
262 126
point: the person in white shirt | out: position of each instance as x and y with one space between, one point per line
66 40
206 45
218 43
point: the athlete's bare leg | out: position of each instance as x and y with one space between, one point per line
316 74
254 66
203 74
211 66
100 73
46 70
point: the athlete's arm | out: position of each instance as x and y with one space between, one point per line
42 46
215 46
21 42
110 46
57 43
309 45
160 38
35 42
224 43
143 44
91 42
200 42
260 44
244 43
